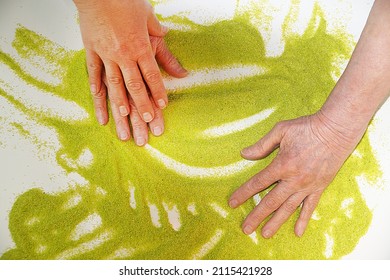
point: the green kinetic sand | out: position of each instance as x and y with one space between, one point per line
191 217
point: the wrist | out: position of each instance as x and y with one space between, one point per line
353 103
346 114
340 138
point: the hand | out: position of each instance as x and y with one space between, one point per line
311 151
138 125
116 38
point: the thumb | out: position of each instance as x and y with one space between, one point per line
155 28
265 145
168 61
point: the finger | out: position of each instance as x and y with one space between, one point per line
98 89
116 89
139 126
309 205
100 105
282 214
121 123
118 99
95 70
155 28
272 201
256 184
157 124
167 61
265 145
152 76
137 90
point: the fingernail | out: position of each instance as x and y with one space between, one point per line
233 203
157 131
147 117
247 230
140 141
123 111
161 103
93 88
183 71
299 232
267 234
123 135
246 152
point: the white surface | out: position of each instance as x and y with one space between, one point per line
22 167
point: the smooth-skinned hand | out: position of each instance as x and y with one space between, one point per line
139 128
124 46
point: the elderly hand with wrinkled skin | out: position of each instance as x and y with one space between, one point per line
312 149
124 45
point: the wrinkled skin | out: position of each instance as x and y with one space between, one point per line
312 149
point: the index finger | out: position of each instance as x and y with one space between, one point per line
152 76
256 184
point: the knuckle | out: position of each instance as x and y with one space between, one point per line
290 207
152 78
270 203
134 86
266 176
114 80
120 123
94 67
254 186
282 191
101 94
138 127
